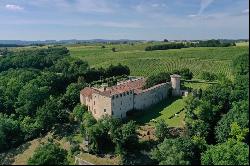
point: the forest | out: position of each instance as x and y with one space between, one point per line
39 89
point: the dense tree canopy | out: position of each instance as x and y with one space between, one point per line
157 79
49 154
231 152
38 89
165 46
211 43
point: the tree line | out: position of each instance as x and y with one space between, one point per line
207 43
165 46
211 43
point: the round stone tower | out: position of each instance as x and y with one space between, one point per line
176 84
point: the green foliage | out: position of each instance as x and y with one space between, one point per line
74 148
101 73
51 113
165 46
10 132
11 82
179 151
71 68
78 112
208 76
114 49
71 97
167 154
157 79
30 127
185 73
161 130
117 70
39 59
211 43
35 96
49 154
239 114
231 152
241 65
237 133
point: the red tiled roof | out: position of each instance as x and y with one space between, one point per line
135 85
87 91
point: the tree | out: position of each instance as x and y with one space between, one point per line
157 79
179 151
30 128
51 113
185 73
167 153
118 70
208 76
239 113
114 49
238 133
87 121
49 154
161 130
10 132
231 152
71 98
78 112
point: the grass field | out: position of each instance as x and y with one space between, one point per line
198 84
164 110
144 63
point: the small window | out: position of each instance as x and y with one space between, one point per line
94 102
117 96
121 115
120 95
104 110
127 93
113 97
112 113
94 111
124 94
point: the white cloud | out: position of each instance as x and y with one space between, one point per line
192 15
155 5
78 23
13 7
204 4
246 11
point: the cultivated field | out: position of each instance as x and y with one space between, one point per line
144 63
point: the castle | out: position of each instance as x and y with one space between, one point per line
128 95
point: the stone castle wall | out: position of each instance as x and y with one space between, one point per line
151 96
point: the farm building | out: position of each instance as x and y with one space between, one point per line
128 95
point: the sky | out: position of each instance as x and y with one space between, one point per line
123 19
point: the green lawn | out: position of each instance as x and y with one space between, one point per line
164 110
